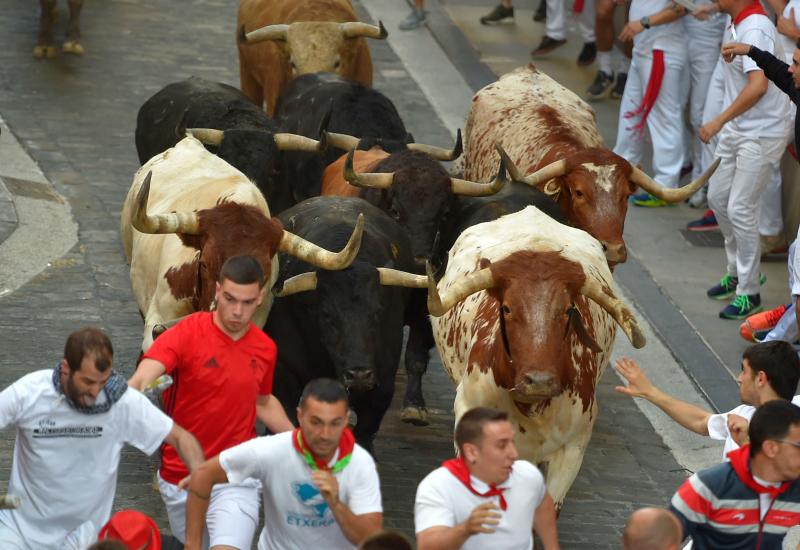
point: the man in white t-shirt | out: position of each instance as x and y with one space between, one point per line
71 425
486 498
770 371
321 489
752 130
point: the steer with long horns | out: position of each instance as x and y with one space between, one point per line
188 211
524 319
552 142
280 39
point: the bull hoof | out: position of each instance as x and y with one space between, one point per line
72 46
42 52
418 416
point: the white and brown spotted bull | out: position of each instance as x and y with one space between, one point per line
550 136
187 212
524 319
48 13
281 39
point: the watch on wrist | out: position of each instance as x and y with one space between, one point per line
645 21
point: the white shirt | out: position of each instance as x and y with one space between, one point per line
706 34
295 514
718 425
768 118
787 43
65 462
668 38
442 500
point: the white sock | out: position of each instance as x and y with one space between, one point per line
604 62
624 65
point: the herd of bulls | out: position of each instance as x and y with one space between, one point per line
510 277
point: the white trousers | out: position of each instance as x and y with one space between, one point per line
232 515
556 24
664 122
701 59
734 194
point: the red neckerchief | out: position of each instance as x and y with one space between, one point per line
346 445
753 9
458 468
740 460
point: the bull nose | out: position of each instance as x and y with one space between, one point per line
615 252
535 386
538 379
359 379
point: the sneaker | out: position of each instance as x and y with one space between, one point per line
498 14
649 201
619 86
414 20
707 223
773 244
727 287
547 45
700 200
587 55
757 326
742 306
601 87
540 15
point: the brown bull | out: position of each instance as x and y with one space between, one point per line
280 39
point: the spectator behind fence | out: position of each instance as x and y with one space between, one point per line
71 424
652 529
485 498
752 500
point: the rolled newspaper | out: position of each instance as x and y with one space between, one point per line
158 385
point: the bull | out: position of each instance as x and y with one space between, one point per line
48 13
524 319
225 120
344 324
288 38
188 211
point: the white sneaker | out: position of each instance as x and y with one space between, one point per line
414 20
699 199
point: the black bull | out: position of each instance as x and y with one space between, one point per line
350 326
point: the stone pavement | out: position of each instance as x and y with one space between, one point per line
75 117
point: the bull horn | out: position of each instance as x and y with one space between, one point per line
356 29
342 141
395 277
667 194
295 142
318 256
440 153
544 174
299 283
270 32
376 180
174 222
209 136
460 290
475 189
617 309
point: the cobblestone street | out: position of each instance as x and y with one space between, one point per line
76 119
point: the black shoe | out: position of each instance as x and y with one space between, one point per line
547 45
601 87
540 14
619 86
587 55
498 14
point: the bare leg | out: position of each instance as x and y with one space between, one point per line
47 17
73 43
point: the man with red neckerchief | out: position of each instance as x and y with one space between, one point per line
321 489
751 501
486 497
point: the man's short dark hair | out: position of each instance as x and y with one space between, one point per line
779 361
326 390
385 540
108 544
242 270
89 341
470 427
772 420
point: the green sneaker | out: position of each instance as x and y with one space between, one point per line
727 287
742 307
649 201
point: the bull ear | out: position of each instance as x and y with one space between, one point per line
576 322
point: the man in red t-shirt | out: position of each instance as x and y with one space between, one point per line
222 367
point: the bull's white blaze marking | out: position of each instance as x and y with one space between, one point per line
604 174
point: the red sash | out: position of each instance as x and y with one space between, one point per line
458 468
577 7
651 93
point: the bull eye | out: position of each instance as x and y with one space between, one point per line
578 193
337 64
505 309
